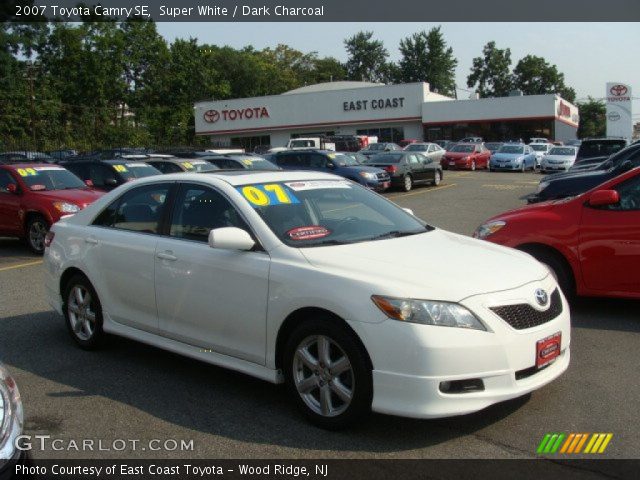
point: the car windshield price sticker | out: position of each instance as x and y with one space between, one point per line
317 185
267 195
311 232
120 168
187 165
25 172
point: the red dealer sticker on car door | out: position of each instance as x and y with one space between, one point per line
548 349
308 233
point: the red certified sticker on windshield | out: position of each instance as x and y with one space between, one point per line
308 233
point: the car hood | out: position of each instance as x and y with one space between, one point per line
506 156
571 174
79 197
435 265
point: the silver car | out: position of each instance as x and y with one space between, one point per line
430 150
559 158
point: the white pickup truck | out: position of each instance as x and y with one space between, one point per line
310 142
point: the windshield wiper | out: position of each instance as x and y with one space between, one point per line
395 234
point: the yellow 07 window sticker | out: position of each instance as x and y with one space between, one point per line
120 168
26 172
187 165
267 195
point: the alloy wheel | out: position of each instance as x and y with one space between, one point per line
323 376
37 232
82 317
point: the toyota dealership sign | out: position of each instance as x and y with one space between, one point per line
619 117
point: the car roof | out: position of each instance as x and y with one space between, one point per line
15 166
244 177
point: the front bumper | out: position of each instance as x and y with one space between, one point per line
505 166
407 373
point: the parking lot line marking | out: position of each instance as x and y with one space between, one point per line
20 265
442 187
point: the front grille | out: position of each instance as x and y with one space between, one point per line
523 315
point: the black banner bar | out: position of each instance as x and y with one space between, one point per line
327 10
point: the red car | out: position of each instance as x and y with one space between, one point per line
590 242
33 196
466 156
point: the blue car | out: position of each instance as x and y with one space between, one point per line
513 156
345 164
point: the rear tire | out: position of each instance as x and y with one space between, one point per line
83 312
37 228
407 183
437 178
473 165
333 389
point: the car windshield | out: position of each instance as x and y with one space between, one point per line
376 146
463 148
511 149
344 160
385 158
255 163
417 147
134 170
198 166
562 151
328 212
49 178
539 148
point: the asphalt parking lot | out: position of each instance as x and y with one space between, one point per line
134 392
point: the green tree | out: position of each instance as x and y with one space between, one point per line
426 58
367 58
535 76
593 122
490 73
328 69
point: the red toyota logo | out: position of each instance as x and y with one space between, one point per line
211 116
618 90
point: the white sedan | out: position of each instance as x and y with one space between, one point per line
559 158
309 279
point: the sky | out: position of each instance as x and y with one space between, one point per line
589 54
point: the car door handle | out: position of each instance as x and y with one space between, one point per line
91 240
167 256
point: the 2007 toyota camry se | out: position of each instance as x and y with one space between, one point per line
309 279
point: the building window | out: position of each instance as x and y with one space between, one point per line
517 130
392 134
250 144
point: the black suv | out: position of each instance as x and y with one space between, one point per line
593 151
108 174
342 164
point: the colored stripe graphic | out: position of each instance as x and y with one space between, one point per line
572 443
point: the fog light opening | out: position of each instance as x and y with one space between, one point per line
462 386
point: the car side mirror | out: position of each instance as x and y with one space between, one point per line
230 238
601 198
12 188
110 182
88 183
331 165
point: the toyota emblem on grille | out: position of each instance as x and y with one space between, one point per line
541 297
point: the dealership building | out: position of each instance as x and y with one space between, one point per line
390 112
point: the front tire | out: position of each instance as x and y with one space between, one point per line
437 178
83 313
37 228
327 373
473 165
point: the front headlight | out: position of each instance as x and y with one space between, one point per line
11 415
542 186
66 207
368 175
427 312
489 228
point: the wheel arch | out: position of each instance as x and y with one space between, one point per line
29 214
535 247
297 317
67 275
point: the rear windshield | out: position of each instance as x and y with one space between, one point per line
602 148
463 148
344 160
198 166
539 148
49 178
417 147
386 158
